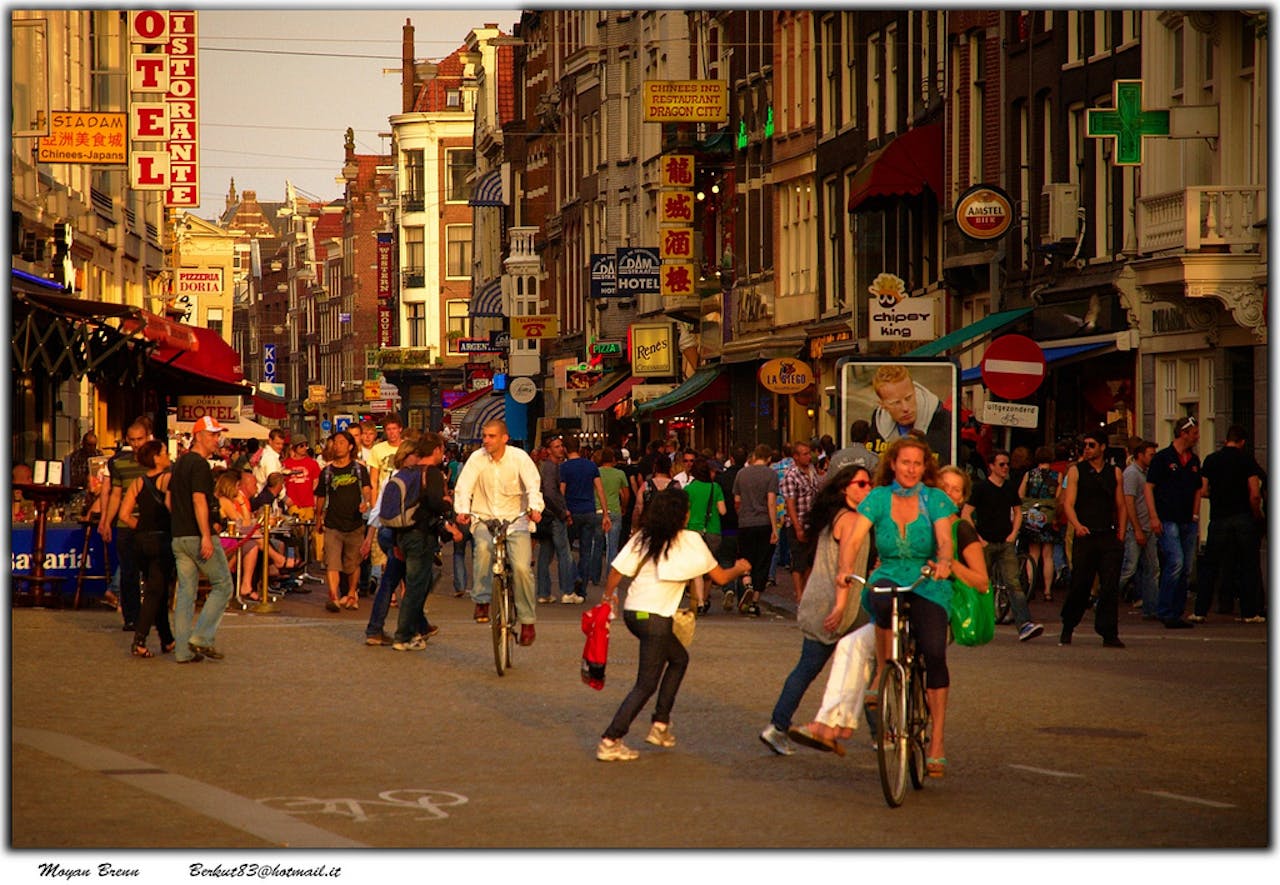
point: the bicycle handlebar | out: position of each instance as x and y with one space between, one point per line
926 572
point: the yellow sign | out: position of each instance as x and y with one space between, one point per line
84 137
675 207
197 281
652 350
317 393
542 325
678 280
675 243
677 170
686 101
372 390
222 408
788 375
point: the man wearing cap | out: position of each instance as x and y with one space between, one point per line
1173 500
194 548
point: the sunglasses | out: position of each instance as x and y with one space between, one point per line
1090 444
860 483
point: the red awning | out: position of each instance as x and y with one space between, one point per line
211 358
903 167
165 332
267 406
613 397
464 401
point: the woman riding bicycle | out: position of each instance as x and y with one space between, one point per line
912 525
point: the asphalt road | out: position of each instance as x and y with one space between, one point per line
305 737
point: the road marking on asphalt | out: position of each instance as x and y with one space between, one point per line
1046 771
212 802
1192 799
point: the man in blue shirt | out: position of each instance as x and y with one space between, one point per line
1173 500
588 516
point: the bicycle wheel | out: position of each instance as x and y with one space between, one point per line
892 739
498 621
917 725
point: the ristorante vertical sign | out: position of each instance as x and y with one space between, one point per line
164 105
385 273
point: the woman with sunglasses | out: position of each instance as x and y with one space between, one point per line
827 612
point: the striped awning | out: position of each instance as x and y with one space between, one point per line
489 190
479 414
487 300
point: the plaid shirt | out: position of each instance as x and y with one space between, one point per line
800 486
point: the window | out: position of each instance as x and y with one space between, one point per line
371 370
213 319
457 250
1177 62
30 77
414 182
891 123
108 61
873 87
453 99
457 323
416 320
460 163
414 264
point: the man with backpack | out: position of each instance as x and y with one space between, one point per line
415 506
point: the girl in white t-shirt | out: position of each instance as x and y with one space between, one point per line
661 558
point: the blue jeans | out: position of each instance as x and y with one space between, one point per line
460 582
1178 544
813 657
1142 564
519 554
663 662
586 529
392 575
419 550
186 553
557 544
612 539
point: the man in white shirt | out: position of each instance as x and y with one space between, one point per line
382 455
270 461
501 482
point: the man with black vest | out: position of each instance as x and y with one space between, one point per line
1094 507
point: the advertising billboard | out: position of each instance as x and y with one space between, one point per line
897 396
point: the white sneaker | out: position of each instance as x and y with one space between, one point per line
660 735
614 751
776 739
572 599
416 644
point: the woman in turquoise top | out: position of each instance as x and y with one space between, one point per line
912 522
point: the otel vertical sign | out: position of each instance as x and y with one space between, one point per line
164 105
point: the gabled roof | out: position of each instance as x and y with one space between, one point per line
448 76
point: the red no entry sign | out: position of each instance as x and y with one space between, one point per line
1013 366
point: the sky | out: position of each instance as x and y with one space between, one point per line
278 89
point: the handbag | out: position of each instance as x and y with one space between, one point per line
973 613
682 624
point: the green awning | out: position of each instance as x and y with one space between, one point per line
697 389
984 326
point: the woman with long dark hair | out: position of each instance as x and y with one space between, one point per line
826 613
660 559
146 496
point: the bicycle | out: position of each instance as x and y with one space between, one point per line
502 607
903 732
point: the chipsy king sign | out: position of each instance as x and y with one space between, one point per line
893 316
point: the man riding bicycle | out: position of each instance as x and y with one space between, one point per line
501 482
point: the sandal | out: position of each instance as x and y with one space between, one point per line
803 735
350 602
936 766
141 651
252 596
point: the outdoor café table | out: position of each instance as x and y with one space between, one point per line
43 496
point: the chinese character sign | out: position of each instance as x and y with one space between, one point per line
675 207
677 170
677 280
676 243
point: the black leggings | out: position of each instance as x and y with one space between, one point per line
155 561
929 623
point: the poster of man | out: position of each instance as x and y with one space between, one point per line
901 397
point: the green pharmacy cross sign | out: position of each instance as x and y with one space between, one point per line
1128 124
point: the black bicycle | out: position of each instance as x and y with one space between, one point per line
502 604
903 733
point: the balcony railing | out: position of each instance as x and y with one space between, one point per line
413 277
1197 218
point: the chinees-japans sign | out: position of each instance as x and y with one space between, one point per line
893 316
222 408
543 325
79 137
788 375
686 101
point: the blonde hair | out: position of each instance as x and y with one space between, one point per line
966 482
889 375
